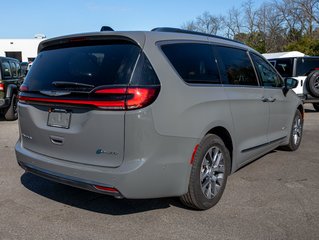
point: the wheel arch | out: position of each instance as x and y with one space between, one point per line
224 134
301 110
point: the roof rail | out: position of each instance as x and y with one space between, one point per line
178 30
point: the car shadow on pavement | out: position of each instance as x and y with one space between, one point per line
92 201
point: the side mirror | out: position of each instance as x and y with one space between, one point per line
290 83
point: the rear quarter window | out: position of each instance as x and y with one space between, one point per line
194 62
14 69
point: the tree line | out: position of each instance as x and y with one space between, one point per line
275 26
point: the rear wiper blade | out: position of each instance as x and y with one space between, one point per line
71 84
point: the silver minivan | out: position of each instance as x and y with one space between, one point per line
152 114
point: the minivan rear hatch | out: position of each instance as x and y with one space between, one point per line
73 101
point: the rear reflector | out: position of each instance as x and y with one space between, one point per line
193 155
106 189
1 86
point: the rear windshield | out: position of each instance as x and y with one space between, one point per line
92 65
306 65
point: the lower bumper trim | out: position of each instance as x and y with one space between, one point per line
71 181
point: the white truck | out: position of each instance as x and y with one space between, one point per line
301 67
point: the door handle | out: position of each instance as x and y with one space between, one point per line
268 99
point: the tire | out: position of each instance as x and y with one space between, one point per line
11 113
295 133
208 176
316 106
313 83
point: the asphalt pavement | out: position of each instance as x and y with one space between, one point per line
274 197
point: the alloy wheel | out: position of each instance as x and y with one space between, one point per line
212 172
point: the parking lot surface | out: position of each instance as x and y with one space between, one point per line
275 197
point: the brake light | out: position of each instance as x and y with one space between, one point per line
135 97
78 39
141 97
1 86
108 98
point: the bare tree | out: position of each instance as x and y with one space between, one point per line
191 26
233 22
205 23
309 10
270 27
300 15
250 16
208 23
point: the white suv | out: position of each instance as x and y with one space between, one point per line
301 67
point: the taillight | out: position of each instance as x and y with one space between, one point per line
140 97
135 97
23 88
108 98
1 86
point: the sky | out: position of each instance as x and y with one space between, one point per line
24 19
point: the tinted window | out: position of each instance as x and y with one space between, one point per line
266 73
14 70
236 66
6 71
305 65
284 66
193 62
144 74
18 69
107 64
273 62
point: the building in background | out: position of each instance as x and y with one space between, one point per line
25 50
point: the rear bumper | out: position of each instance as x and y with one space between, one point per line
163 176
67 180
